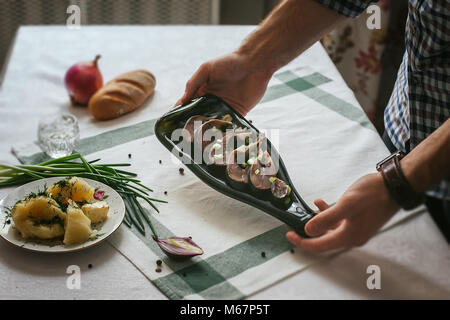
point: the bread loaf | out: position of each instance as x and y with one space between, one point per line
122 94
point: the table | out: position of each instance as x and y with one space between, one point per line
414 258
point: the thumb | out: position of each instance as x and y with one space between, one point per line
322 206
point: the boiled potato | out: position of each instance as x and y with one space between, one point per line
60 191
97 211
78 226
74 188
39 217
81 190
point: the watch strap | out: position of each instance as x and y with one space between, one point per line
397 184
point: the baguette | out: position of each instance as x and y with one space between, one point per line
122 94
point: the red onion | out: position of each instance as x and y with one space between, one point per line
82 80
179 247
99 195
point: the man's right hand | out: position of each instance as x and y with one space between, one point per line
232 78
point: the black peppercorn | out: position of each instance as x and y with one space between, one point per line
160 161
263 254
158 262
129 156
165 192
181 171
89 266
158 269
292 250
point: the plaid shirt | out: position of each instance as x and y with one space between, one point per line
420 101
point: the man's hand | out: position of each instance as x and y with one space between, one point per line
367 205
232 78
240 78
361 211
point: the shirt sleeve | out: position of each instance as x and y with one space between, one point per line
349 8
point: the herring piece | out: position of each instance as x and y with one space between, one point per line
237 167
213 128
281 193
191 124
261 171
218 151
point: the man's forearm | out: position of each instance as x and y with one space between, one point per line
429 163
291 28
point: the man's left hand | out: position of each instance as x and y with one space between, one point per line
361 211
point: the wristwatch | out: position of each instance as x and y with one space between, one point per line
396 183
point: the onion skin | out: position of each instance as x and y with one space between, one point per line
179 247
82 80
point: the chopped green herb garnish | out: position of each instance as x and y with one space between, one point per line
62 183
39 193
82 203
8 215
55 220
98 235
62 205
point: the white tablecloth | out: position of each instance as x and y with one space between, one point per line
414 258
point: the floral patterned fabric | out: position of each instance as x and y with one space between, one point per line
356 50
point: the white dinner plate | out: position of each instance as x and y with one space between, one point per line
9 233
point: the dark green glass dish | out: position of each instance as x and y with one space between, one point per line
296 215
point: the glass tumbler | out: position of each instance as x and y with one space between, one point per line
58 135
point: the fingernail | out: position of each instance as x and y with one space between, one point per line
310 228
180 101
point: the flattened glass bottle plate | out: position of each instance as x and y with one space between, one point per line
296 215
